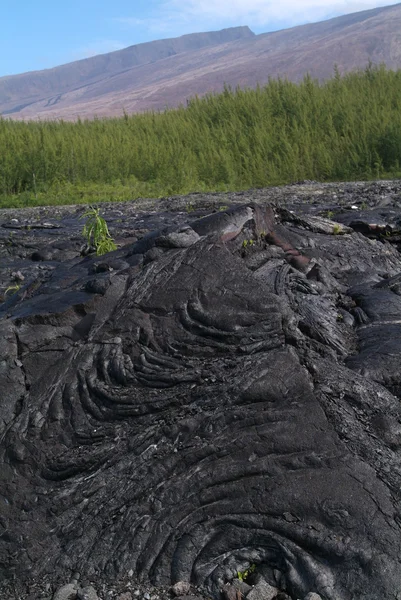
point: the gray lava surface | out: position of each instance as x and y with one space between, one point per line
219 395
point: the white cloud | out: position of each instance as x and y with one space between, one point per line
196 15
264 11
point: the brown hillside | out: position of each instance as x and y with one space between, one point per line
167 72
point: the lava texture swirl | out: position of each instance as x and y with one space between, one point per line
209 398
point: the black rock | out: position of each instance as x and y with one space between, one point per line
197 416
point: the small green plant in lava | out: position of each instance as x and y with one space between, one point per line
243 575
96 232
12 289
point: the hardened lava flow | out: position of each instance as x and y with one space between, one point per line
217 395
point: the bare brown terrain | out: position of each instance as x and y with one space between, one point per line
166 73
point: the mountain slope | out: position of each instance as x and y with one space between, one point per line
40 85
167 72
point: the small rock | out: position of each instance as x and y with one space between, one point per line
18 276
88 593
125 596
97 286
181 239
181 588
130 573
289 517
241 586
262 591
312 596
102 267
152 255
230 592
66 592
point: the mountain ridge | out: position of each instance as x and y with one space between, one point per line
165 73
109 63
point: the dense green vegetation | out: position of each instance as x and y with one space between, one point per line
347 128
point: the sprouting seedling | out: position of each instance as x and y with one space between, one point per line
243 575
12 289
336 229
97 233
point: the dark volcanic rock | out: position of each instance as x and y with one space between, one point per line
231 401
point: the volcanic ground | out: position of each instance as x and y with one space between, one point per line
220 394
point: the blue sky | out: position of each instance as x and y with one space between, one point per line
39 34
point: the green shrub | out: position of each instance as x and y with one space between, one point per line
96 232
345 128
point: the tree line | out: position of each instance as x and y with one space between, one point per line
348 127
